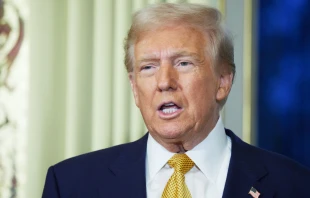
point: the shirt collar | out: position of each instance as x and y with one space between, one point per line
207 155
156 157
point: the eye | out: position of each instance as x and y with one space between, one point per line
147 67
184 63
148 70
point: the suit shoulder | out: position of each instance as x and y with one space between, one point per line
277 162
100 159
74 175
92 158
271 160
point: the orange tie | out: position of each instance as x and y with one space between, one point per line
176 187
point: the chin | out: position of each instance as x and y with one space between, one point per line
170 132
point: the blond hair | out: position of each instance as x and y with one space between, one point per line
205 18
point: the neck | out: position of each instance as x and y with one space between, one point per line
188 141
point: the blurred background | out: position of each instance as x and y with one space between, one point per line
64 89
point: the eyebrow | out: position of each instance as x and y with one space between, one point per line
174 55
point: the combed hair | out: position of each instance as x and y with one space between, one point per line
206 19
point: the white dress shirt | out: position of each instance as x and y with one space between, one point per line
206 179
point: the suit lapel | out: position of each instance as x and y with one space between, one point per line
245 171
129 168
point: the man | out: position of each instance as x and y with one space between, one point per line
180 64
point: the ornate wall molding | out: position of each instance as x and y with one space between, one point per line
13 98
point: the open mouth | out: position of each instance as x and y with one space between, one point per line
169 108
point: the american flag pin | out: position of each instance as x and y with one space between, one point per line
254 193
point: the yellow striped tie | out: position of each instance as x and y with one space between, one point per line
176 187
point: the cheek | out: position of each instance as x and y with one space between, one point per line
145 92
201 94
201 85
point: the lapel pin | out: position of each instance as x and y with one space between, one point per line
254 193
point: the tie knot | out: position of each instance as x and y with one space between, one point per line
181 163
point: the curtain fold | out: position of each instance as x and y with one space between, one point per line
121 97
102 74
46 120
79 77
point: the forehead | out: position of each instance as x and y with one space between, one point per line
170 40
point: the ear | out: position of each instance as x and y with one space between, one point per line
134 87
224 85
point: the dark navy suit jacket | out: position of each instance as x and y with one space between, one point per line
119 172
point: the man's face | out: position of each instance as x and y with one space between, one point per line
174 84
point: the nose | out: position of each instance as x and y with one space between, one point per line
167 78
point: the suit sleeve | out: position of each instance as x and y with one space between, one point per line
51 187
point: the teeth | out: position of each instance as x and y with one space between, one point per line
169 110
169 104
